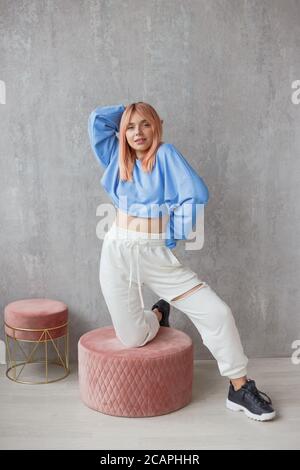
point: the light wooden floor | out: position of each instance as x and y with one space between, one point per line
53 417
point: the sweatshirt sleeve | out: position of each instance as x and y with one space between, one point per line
184 192
103 123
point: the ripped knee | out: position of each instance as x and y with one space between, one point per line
190 291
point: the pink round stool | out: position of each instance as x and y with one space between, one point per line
151 380
42 322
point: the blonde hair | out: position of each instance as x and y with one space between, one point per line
126 153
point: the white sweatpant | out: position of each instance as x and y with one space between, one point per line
130 259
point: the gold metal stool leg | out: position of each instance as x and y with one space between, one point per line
15 367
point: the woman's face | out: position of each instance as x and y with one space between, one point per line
139 128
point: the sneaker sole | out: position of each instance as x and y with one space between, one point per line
235 407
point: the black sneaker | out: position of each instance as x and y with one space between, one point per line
251 401
164 308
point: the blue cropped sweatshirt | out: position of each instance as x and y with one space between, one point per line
172 187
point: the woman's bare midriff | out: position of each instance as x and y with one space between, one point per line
141 224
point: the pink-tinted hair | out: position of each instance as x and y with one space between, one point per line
126 153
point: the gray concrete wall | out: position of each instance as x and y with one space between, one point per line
220 74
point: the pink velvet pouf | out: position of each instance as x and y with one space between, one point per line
151 380
35 314
37 340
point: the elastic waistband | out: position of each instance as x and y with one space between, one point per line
121 233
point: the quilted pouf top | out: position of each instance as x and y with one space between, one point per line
151 380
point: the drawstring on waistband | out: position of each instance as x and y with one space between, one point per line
134 239
132 245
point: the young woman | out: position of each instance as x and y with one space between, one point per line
150 182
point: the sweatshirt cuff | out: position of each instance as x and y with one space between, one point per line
170 243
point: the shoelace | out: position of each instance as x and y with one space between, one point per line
258 396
